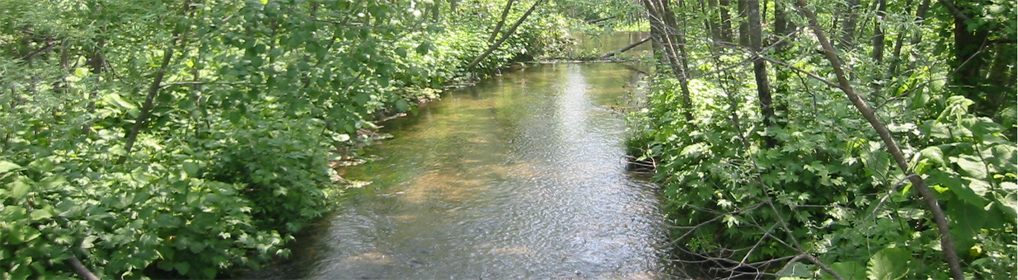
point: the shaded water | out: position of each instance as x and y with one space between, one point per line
522 176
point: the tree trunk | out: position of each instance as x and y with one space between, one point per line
782 28
505 36
946 243
153 90
878 44
666 33
726 21
713 23
435 10
763 86
898 42
744 32
849 19
626 48
501 21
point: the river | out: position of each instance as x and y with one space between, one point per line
520 177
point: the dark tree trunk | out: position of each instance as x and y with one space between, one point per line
713 23
763 87
848 22
878 44
744 35
782 28
726 21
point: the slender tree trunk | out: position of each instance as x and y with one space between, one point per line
1003 60
713 23
967 58
782 28
878 44
501 21
744 32
946 243
667 33
850 17
505 36
153 90
726 21
763 86
626 48
453 5
435 10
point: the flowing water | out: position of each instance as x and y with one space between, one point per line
522 176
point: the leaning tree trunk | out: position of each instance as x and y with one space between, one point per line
666 35
946 243
501 21
505 36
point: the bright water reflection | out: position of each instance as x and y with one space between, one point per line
522 176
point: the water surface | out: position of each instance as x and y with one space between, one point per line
522 176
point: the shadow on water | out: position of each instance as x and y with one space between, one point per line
522 176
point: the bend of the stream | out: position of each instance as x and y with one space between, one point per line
522 176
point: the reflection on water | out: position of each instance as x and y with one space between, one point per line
522 176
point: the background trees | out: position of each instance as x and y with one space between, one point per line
801 183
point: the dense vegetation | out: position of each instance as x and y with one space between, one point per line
836 139
188 138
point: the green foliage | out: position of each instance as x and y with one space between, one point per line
829 183
231 154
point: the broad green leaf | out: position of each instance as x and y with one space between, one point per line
182 267
401 52
89 241
1008 204
42 213
933 154
116 100
52 182
20 187
888 264
362 98
971 165
423 48
191 168
340 137
847 270
965 221
22 233
957 186
797 270
210 272
193 199
7 166
402 105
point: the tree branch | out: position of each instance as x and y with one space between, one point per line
954 10
504 37
947 244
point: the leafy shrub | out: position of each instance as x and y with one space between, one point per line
832 186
